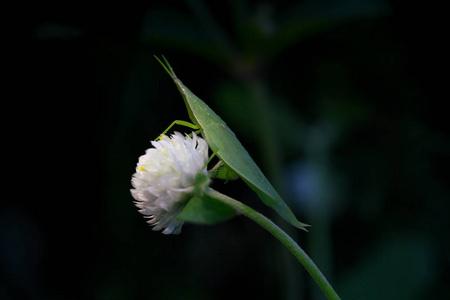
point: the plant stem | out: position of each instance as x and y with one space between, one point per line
285 239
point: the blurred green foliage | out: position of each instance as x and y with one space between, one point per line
333 99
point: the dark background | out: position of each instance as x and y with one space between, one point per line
336 100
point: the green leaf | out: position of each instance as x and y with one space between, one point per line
205 211
202 209
221 171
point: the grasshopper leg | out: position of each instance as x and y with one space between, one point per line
182 123
209 160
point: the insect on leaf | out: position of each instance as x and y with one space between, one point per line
224 143
220 171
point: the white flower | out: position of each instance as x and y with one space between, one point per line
164 179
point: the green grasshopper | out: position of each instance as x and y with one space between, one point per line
223 142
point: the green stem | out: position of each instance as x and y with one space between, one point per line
285 239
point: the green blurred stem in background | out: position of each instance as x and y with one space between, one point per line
261 101
285 239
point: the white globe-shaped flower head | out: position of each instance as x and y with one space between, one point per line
165 179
